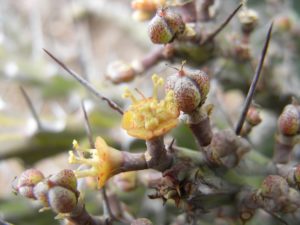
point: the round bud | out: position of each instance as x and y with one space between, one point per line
30 177
65 178
141 221
283 23
289 121
253 117
202 79
27 181
26 191
41 193
190 88
119 71
274 186
164 26
173 20
62 200
187 94
248 19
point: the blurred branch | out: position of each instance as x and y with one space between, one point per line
87 85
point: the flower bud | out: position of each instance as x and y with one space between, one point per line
274 186
119 72
190 88
41 192
253 117
27 181
248 19
62 200
65 178
141 221
289 121
187 95
164 26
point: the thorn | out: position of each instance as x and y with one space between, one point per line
87 126
31 107
212 35
106 206
170 146
254 82
86 84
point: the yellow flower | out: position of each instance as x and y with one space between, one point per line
104 161
148 118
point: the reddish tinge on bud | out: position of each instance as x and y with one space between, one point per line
65 178
274 186
164 26
190 88
289 121
27 181
62 200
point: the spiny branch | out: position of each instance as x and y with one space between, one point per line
32 109
254 83
86 84
89 131
211 36
87 126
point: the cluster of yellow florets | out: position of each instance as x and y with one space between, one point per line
148 118
104 161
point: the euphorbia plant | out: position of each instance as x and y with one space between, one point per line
211 183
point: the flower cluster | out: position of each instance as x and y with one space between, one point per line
104 161
148 118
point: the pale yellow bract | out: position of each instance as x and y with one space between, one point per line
104 161
148 118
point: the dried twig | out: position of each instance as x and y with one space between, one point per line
87 85
32 109
254 83
212 35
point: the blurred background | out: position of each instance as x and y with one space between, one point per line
86 35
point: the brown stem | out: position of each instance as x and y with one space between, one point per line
87 85
133 161
79 216
152 58
202 131
199 123
156 155
283 148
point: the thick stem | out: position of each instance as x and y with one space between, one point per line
156 155
283 149
202 131
133 161
79 216
199 123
